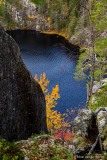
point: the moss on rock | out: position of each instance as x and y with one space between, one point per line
80 142
43 147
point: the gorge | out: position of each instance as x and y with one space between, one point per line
36 26
53 55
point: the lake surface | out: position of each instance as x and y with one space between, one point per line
49 54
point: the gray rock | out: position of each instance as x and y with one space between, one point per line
101 114
98 85
85 124
26 158
85 130
88 126
22 103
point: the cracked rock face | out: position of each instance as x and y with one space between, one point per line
86 131
85 123
101 114
22 103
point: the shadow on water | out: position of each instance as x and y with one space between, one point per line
56 57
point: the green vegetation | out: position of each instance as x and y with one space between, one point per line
80 142
39 2
39 147
46 148
86 20
105 132
9 151
85 23
4 15
94 60
62 15
105 145
100 99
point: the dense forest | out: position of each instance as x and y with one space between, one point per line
83 23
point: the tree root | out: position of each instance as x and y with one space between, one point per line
98 139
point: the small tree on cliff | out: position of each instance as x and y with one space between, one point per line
55 120
92 63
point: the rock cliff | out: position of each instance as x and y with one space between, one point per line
22 103
90 131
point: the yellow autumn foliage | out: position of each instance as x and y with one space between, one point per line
31 16
43 81
54 118
49 18
1 1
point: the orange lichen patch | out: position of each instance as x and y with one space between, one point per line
1 1
31 16
65 135
48 18
69 136
55 32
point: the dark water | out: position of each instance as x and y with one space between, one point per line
48 53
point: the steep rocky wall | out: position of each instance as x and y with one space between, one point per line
22 103
22 14
90 130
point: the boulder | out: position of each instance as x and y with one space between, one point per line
98 85
90 130
85 123
22 102
85 131
101 117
